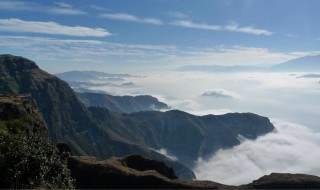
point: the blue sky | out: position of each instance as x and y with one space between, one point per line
127 35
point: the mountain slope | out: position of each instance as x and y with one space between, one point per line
67 118
122 104
183 135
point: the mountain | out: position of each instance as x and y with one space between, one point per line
219 68
303 64
183 135
310 76
23 134
68 120
122 104
99 132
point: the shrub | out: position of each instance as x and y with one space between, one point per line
31 161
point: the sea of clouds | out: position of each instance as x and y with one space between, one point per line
293 147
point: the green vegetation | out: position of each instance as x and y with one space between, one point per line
31 161
28 159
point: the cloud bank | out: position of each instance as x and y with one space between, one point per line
292 148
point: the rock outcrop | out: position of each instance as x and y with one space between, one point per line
286 181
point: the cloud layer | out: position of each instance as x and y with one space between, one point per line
17 25
291 149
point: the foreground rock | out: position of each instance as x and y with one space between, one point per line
286 181
115 173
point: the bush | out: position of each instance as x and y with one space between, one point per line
31 161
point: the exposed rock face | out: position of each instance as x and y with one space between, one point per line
91 173
122 104
21 111
286 181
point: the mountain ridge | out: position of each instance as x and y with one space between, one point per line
302 64
122 104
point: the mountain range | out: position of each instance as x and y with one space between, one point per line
99 132
303 64
19 113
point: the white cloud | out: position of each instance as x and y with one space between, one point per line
234 27
166 154
17 25
189 24
67 11
178 14
97 7
131 18
221 93
61 9
62 4
291 149
17 6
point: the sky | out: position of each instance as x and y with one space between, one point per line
130 36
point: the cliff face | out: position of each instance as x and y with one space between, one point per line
20 113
